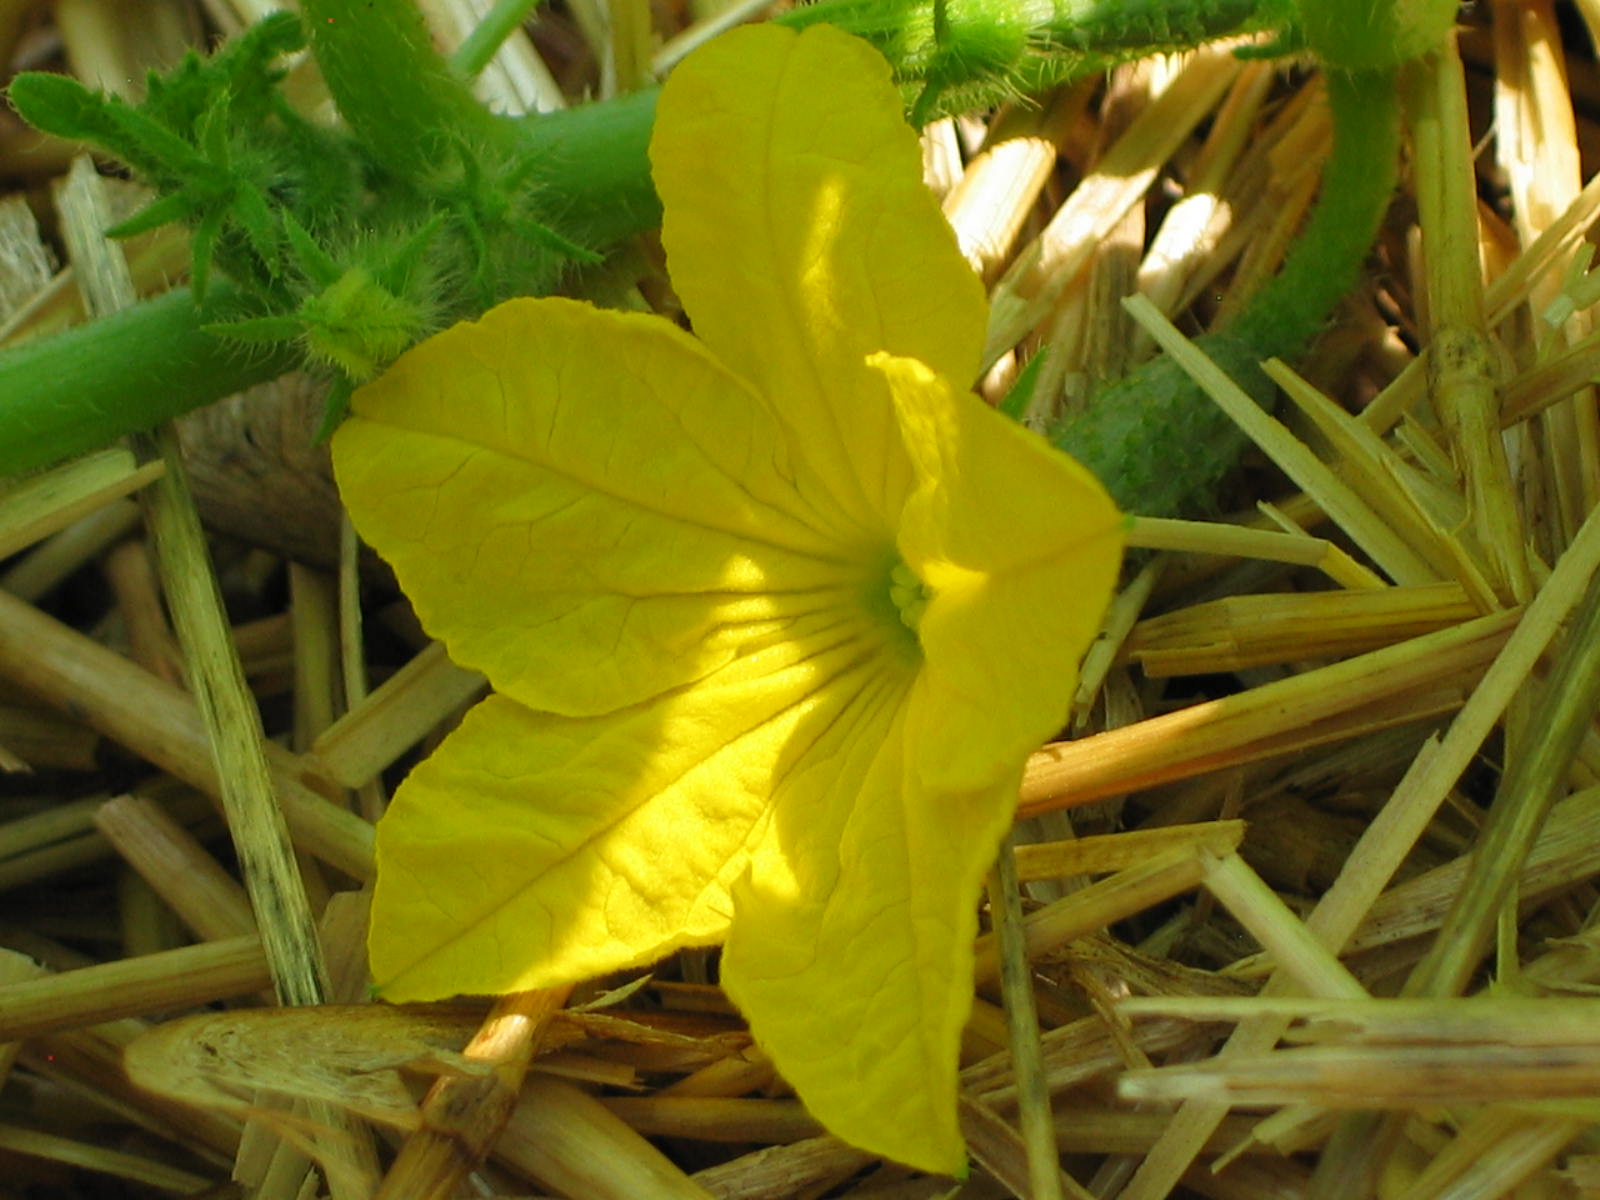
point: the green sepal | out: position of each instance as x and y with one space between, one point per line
61 105
255 217
358 325
164 210
211 131
335 407
202 249
542 235
399 271
313 262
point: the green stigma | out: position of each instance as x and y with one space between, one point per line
910 595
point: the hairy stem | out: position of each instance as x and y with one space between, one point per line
1153 437
130 371
78 390
587 167
956 55
393 89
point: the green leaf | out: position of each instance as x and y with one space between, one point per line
248 61
61 105
150 146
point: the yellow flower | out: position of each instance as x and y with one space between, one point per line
774 614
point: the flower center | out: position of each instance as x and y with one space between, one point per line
910 595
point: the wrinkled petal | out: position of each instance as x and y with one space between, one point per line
990 495
859 912
532 850
799 234
851 949
583 505
1019 547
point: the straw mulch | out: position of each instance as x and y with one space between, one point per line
1339 742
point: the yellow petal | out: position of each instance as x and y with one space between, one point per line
1020 548
531 850
799 234
584 506
990 495
851 949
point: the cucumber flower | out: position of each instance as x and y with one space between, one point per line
774 613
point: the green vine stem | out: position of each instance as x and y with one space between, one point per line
1152 437
952 56
588 168
127 372
398 96
74 392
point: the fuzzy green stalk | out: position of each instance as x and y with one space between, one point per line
1357 184
1153 437
952 56
126 372
591 167
401 99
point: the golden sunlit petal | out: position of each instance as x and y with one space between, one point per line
851 949
531 850
801 238
1018 547
581 504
